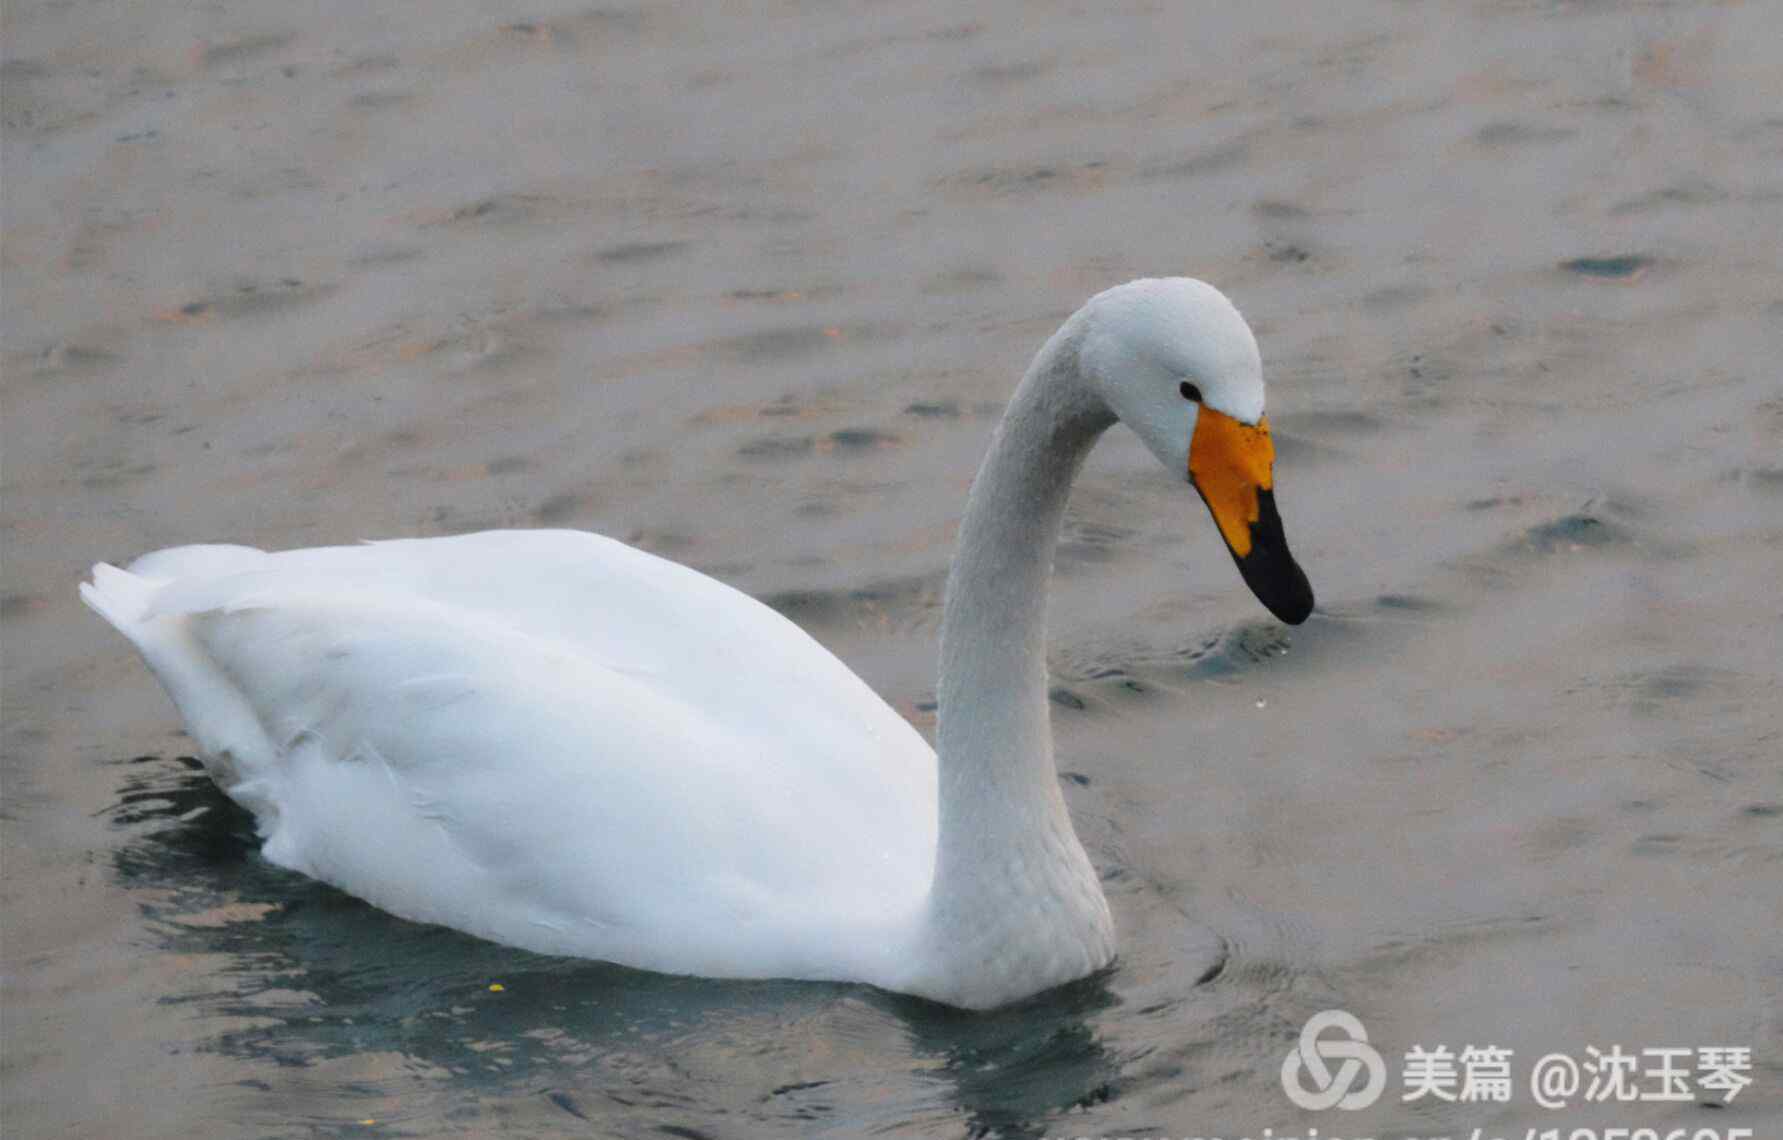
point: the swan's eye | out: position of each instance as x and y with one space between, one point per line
1190 392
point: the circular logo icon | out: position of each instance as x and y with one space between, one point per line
1306 1064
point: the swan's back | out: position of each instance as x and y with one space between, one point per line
550 739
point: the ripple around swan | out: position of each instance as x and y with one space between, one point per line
317 977
1244 648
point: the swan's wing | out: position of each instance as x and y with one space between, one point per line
673 628
460 765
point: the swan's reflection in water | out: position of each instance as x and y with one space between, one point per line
404 1024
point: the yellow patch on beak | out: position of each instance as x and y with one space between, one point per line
1230 463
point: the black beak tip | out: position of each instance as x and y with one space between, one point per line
1279 583
1270 570
1296 607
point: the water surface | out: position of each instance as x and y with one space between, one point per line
748 288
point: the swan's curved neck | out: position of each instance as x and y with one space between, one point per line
1014 892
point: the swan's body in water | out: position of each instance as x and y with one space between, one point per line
552 740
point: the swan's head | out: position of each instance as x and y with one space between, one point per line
1176 362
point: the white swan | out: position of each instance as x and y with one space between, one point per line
552 740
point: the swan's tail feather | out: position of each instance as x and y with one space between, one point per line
230 739
127 598
120 597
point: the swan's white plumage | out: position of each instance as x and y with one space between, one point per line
553 740
550 739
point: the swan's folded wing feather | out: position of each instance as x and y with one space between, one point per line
453 769
707 644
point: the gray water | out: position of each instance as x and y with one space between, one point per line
747 287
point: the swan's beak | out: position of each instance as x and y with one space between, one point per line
1232 464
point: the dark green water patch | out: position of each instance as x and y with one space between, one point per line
861 439
1407 603
934 409
1616 267
637 251
254 299
778 447
1065 698
1657 843
1577 531
1287 252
